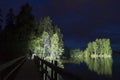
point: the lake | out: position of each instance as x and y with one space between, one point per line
95 68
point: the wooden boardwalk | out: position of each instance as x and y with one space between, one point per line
28 71
38 69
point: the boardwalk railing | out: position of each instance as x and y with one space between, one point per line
8 69
55 71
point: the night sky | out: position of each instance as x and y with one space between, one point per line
80 21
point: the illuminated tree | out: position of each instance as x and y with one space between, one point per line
107 47
54 47
77 53
45 24
89 50
45 44
86 52
95 47
45 31
100 47
60 42
50 40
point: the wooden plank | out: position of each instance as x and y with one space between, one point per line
28 71
8 64
55 74
7 69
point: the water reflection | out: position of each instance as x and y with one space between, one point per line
102 66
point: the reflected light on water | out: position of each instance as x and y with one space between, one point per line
102 66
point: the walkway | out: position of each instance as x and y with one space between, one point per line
28 71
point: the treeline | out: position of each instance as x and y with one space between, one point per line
15 36
97 48
22 35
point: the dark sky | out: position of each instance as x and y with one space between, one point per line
80 21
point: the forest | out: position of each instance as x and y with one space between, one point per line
21 35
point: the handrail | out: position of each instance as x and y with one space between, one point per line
55 70
7 69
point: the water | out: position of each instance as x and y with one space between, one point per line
97 68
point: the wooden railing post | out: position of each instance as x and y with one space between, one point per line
42 69
55 74
52 72
0 76
46 72
40 65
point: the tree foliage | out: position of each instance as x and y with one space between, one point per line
1 19
48 40
21 35
10 19
97 48
25 28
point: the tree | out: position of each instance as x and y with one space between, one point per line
45 24
25 28
101 43
60 36
98 46
76 53
45 31
10 19
107 47
1 20
25 21
50 38
6 40
89 50
54 47
45 44
35 45
95 48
